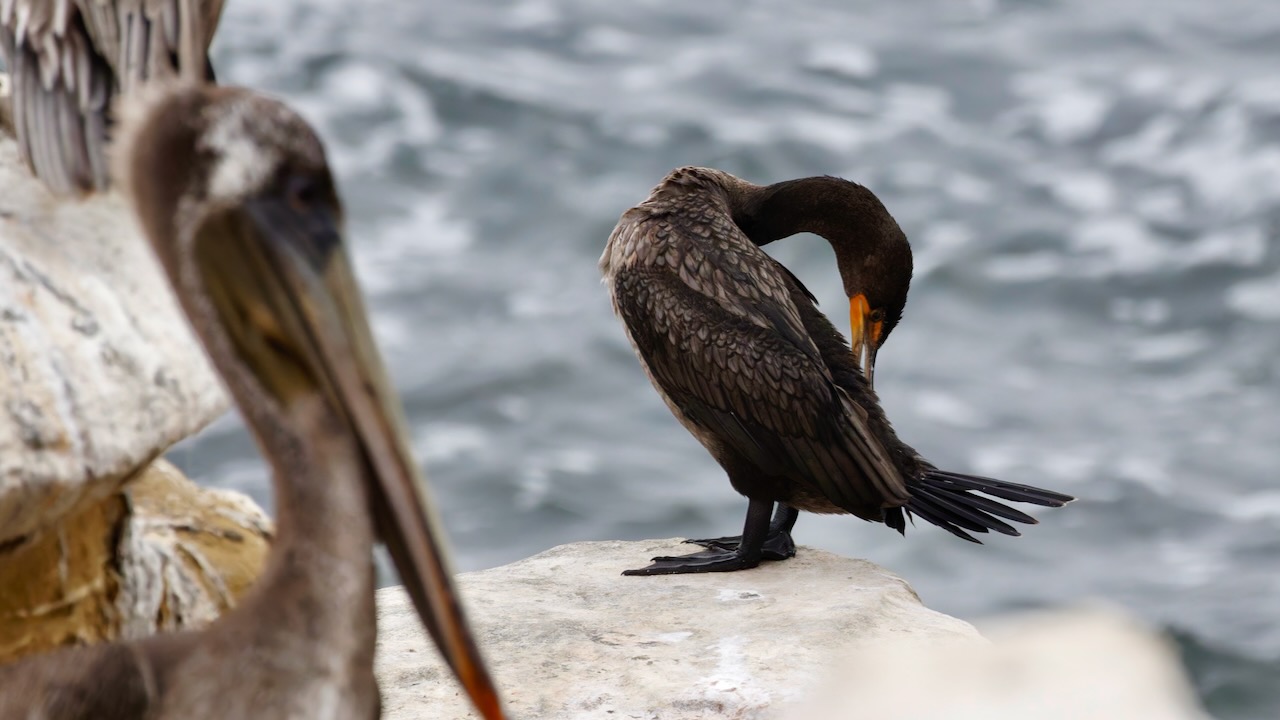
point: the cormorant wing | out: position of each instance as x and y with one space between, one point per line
720 334
68 58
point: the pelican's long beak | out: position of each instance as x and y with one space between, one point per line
864 336
280 270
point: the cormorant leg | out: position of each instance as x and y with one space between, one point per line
747 554
777 546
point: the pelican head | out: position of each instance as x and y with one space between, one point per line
234 193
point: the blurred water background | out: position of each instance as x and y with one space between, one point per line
1091 190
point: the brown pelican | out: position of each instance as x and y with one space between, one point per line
738 350
69 58
234 193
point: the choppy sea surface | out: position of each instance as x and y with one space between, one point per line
1092 191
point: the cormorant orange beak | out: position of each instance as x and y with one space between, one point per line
864 335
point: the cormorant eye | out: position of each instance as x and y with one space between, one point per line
877 315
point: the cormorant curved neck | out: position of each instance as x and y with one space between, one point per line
872 253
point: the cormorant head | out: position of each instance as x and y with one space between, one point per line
876 279
872 252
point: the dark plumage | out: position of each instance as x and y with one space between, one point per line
737 348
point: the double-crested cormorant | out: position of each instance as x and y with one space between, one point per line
235 195
69 59
738 350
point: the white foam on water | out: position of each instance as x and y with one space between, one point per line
532 305
607 40
949 409
1025 267
915 174
1244 246
1155 81
533 487
1228 169
514 407
1195 91
531 15
1197 563
354 83
1087 191
1153 473
1118 244
1231 170
1257 299
441 442
1070 464
535 481
844 58
1252 507
405 250
940 243
911 105
1162 204
1261 93
393 331
998 460
744 130
1145 147
969 188
834 132
1123 245
1063 107
1143 311
1198 384
578 461
1169 346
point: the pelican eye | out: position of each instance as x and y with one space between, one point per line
301 191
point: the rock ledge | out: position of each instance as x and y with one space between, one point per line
570 638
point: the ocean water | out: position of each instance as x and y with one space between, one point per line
1092 191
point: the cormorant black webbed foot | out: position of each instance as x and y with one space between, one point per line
778 544
746 551
707 561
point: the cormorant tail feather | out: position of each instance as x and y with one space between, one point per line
949 500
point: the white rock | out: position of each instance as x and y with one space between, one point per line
1064 665
99 372
569 637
